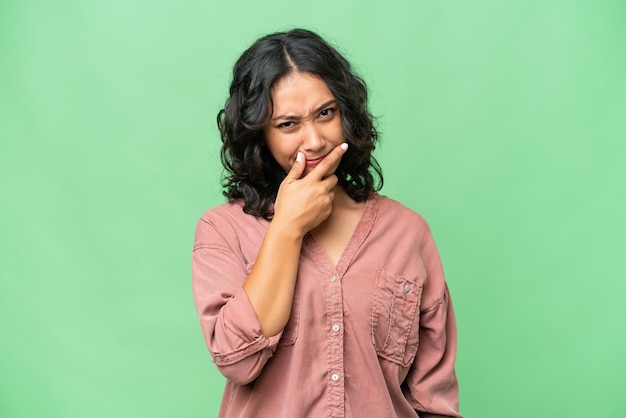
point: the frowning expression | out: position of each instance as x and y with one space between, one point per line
305 117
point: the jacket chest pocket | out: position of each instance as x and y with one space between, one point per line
395 317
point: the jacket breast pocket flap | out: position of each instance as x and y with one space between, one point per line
395 317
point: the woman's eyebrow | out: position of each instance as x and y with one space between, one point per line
317 110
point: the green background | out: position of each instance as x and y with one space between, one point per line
503 124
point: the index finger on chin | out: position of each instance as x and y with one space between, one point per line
323 169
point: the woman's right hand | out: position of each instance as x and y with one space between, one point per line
305 202
302 204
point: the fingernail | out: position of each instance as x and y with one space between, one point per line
344 146
299 157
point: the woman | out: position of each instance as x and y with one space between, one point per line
316 295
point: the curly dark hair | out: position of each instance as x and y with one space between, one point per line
252 173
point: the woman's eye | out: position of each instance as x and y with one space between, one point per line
327 112
285 125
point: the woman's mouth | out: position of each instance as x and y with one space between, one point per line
315 161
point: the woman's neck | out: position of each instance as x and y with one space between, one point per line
336 231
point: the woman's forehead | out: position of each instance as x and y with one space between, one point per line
300 90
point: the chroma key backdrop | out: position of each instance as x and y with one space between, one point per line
503 123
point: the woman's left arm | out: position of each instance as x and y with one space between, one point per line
432 384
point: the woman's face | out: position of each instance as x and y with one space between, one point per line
305 118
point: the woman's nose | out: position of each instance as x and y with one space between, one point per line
313 139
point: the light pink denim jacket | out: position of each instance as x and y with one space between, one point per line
373 336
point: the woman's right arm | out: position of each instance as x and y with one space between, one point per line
229 325
301 205
242 324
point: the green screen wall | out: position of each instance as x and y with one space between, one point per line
503 123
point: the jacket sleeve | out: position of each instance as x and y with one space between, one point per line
431 385
229 324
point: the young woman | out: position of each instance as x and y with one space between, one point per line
316 295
